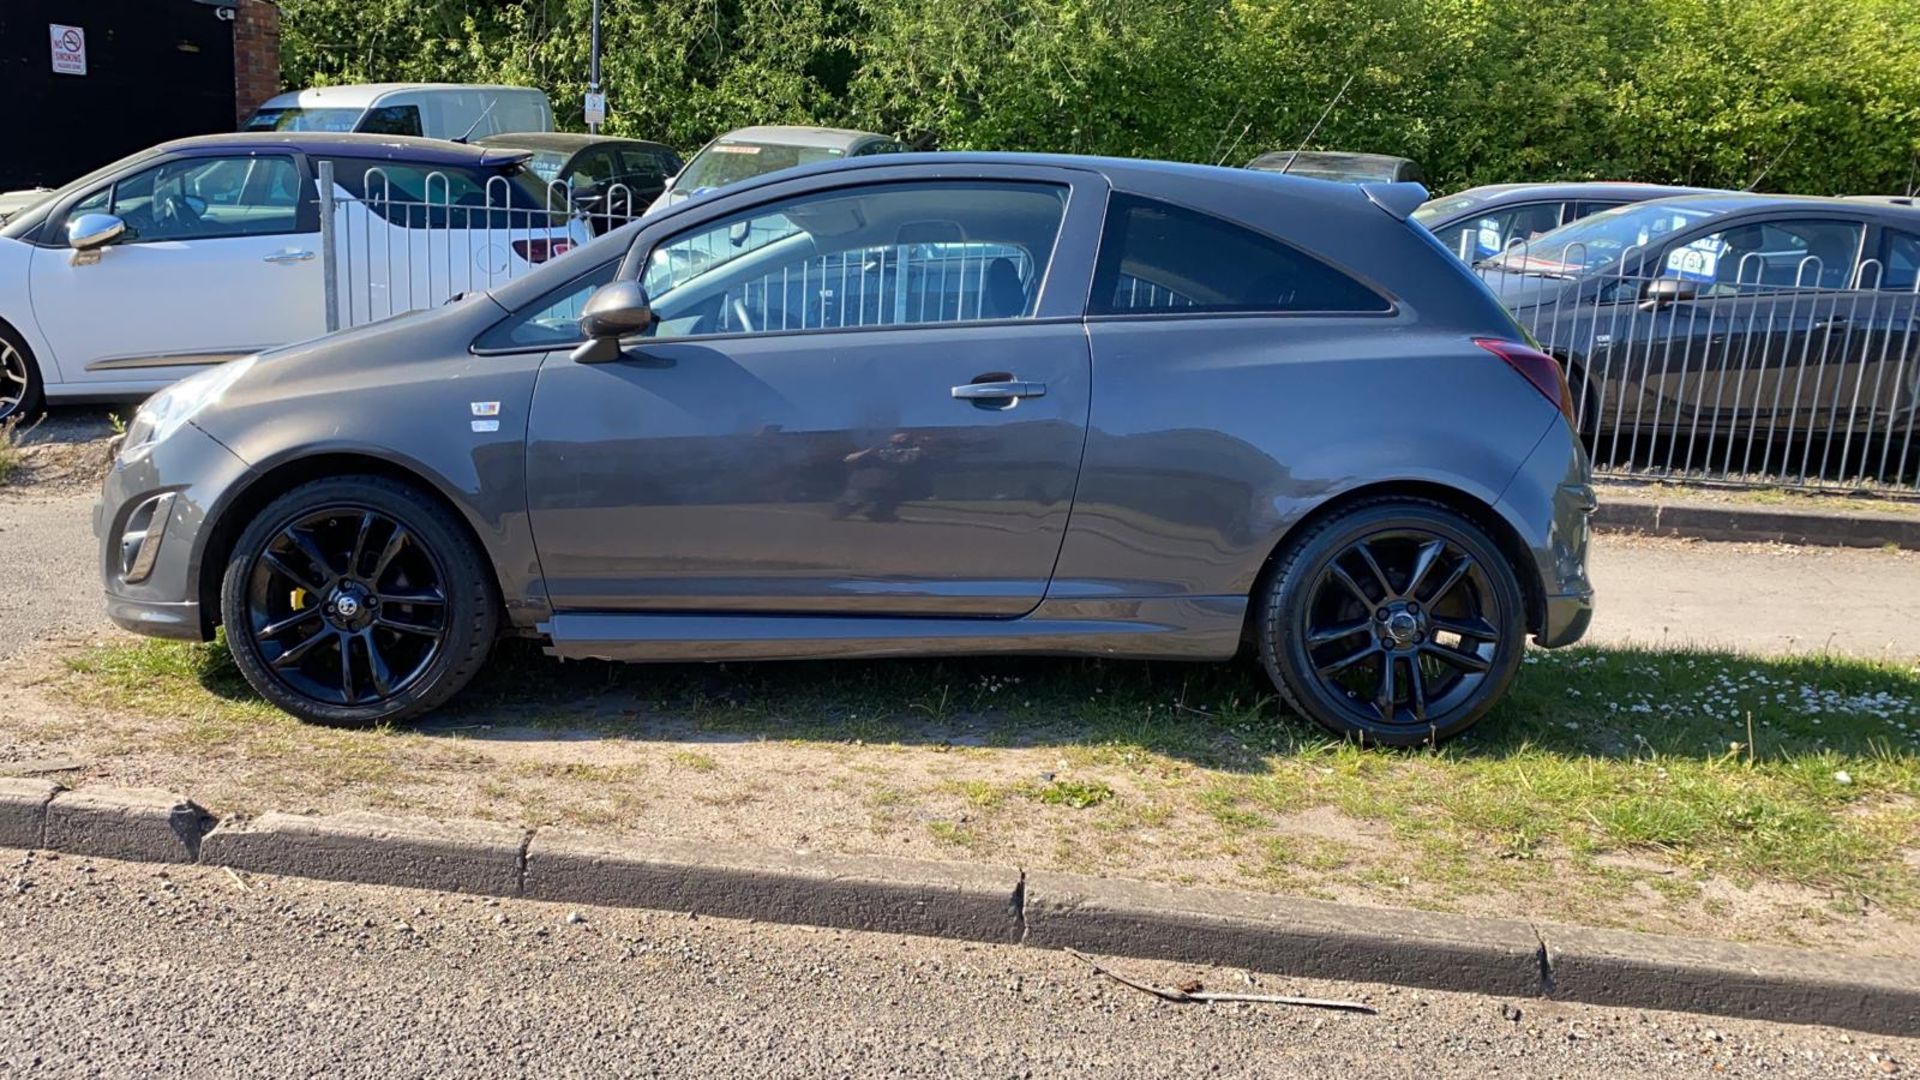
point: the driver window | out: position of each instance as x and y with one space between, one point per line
204 199
875 256
1768 255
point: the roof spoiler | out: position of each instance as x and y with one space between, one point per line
1399 199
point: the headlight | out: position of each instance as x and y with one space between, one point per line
162 414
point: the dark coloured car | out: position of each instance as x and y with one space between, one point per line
1761 321
611 180
1340 165
1483 221
913 405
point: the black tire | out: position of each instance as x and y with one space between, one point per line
18 401
1468 585
431 555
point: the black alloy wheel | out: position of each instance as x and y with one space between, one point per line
357 601
1398 622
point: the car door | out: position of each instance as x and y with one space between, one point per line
858 399
220 258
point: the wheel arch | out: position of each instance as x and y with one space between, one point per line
232 518
1503 533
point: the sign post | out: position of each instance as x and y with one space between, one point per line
69 49
596 101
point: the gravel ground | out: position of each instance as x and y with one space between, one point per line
116 969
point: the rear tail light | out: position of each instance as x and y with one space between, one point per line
1541 370
541 249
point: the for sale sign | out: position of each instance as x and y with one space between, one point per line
69 50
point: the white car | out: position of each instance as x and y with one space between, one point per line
436 110
206 249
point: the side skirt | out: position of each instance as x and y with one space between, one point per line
1161 628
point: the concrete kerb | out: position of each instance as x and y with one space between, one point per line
1281 935
1758 524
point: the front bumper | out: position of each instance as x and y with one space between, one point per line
150 562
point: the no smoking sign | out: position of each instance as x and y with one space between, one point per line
69 50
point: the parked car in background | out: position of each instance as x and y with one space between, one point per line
1340 165
1482 221
1757 325
201 250
609 180
12 202
757 151
432 110
873 427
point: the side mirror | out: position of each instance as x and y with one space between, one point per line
90 231
615 310
1661 292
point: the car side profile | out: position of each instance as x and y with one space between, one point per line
202 250
914 405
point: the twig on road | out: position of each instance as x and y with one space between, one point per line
1185 997
238 881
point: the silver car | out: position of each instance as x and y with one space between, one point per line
910 405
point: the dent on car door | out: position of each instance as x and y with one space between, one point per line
867 399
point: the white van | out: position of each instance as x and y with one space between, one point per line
435 110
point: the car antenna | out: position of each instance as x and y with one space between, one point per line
484 113
1755 182
1315 129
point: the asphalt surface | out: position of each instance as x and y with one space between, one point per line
118 969
1759 597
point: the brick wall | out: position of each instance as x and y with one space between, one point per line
256 54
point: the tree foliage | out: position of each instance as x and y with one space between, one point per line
1821 97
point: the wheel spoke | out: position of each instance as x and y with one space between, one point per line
294 655
1387 590
1347 661
1459 571
432 598
1384 697
1472 629
1465 661
377 666
1423 564
403 627
286 570
387 554
312 551
1416 690
1340 574
1329 634
346 670
275 629
360 544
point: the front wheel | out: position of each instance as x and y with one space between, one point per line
21 393
1396 621
357 601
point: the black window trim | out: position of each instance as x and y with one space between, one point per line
1392 310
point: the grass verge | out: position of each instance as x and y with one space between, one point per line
1609 780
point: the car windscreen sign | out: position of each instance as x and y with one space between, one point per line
69 49
1698 261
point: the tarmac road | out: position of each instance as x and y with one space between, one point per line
118 969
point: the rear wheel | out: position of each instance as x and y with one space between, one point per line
1397 621
21 392
357 601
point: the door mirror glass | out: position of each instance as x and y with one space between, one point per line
90 231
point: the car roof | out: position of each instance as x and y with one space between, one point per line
1732 201
362 95
782 135
409 148
565 141
1577 189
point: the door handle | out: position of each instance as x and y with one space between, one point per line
999 391
289 257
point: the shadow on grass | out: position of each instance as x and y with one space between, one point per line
1613 704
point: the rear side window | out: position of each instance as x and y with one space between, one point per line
1900 261
392 120
1155 256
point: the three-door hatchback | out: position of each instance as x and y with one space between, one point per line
911 405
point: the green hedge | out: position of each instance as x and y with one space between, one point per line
1826 92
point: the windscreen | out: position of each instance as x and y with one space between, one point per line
298 119
1598 241
726 163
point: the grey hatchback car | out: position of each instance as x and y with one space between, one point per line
913 405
